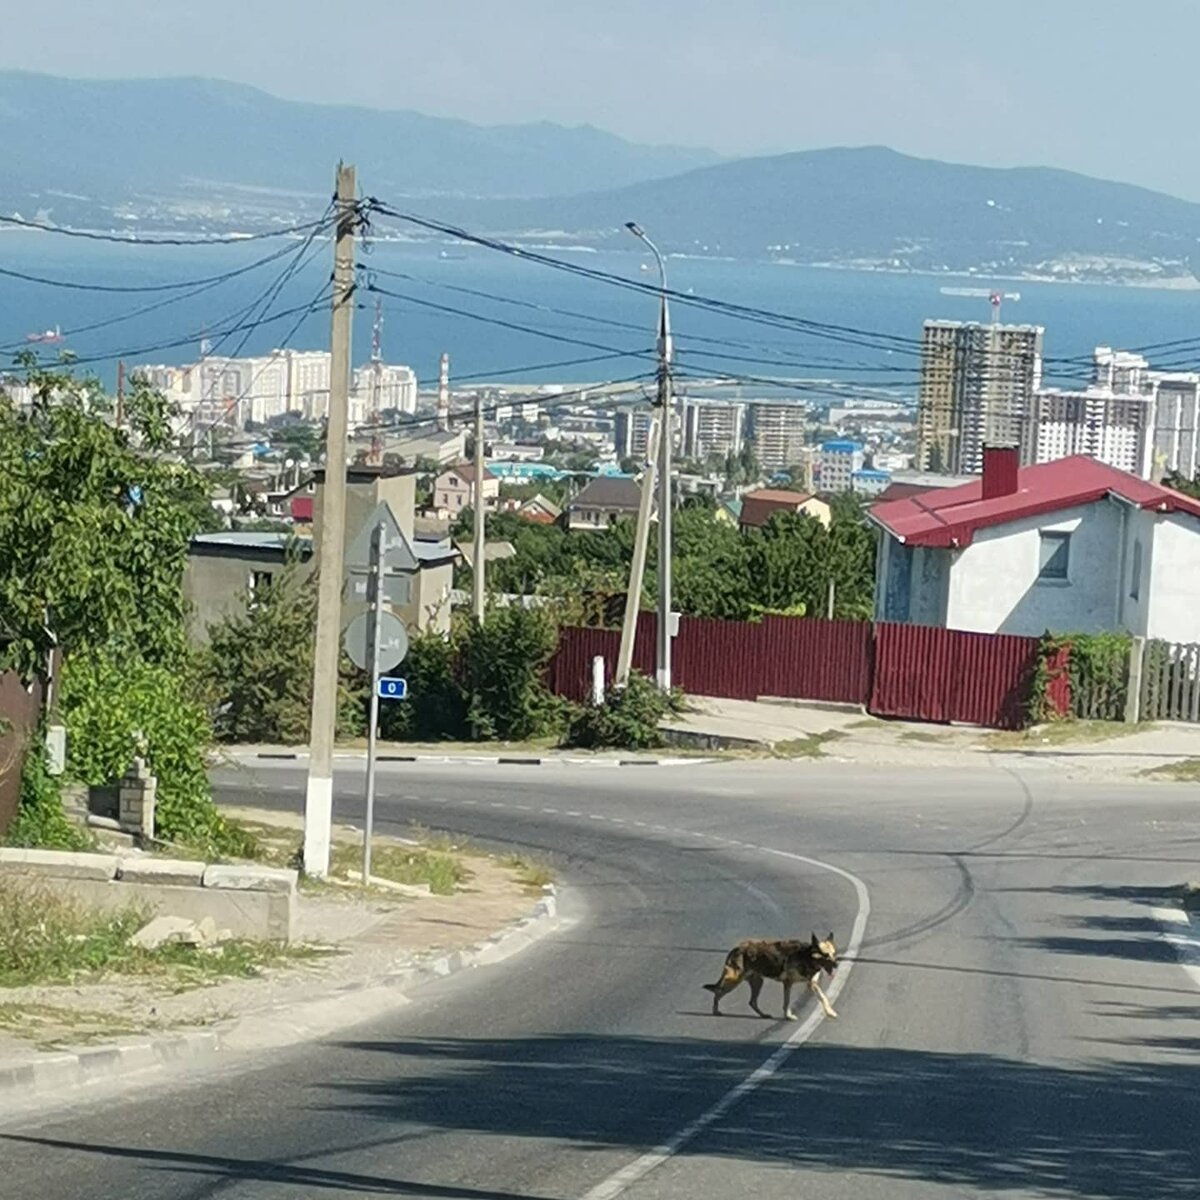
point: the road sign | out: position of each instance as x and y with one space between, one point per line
391 688
397 555
393 641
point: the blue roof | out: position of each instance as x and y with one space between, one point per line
871 473
841 447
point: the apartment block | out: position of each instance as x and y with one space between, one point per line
712 427
1113 427
631 432
977 388
837 463
779 434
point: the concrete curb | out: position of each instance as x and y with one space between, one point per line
490 760
1183 936
276 1028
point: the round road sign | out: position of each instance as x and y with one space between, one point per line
393 640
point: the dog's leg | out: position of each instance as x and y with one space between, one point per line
756 982
814 986
788 1015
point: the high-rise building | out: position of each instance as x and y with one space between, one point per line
631 432
1120 370
1176 423
977 388
778 434
712 427
1114 427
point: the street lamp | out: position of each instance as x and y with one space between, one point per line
664 464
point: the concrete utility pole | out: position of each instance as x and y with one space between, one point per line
318 799
664 464
637 568
477 566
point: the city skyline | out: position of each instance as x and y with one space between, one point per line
975 90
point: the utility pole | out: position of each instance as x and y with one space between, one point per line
477 567
637 568
663 403
318 799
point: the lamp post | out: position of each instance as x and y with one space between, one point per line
663 403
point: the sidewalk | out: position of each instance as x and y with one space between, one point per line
376 947
795 729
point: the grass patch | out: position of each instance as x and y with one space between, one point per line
920 735
810 746
532 874
866 723
414 865
1059 733
1186 770
47 937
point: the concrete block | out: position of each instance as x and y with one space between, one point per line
177 871
164 930
57 864
235 877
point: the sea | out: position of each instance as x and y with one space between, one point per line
509 321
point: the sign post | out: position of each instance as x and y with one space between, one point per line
375 591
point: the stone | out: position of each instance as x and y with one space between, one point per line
162 931
60 864
245 878
177 871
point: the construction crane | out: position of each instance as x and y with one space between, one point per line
993 297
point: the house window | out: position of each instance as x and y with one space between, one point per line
1135 583
1054 556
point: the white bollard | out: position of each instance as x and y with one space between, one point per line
598 679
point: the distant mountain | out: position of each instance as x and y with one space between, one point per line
66 143
873 207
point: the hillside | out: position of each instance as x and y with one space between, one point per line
218 146
873 207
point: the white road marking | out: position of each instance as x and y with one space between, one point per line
620 1181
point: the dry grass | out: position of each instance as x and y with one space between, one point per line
810 746
1059 733
1186 770
532 874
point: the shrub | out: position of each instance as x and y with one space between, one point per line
437 708
503 667
628 719
116 705
40 820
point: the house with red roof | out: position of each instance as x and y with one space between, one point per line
1070 546
760 506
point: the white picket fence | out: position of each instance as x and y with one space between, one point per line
1170 681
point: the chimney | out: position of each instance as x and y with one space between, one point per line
999 471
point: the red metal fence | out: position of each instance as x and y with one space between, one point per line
914 671
801 658
934 674
19 708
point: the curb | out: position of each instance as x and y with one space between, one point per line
490 760
1182 936
276 1028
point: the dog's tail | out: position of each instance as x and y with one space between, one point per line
731 976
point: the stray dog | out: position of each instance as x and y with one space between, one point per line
789 962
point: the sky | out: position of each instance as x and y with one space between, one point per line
1099 86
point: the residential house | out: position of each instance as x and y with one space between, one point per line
1072 545
224 569
760 506
454 489
539 510
870 482
603 502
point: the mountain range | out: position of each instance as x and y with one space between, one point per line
207 155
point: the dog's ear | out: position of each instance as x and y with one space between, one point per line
830 937
816 941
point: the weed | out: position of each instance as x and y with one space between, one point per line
920 735
1186 770
405 864
532 874
809 746
1059 733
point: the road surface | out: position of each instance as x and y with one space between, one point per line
1014 1023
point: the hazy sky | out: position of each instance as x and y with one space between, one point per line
1101 86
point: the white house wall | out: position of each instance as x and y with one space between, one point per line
1174 571
1134 612
994 584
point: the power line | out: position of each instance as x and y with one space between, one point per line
125 240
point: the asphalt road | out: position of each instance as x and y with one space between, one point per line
1014 1023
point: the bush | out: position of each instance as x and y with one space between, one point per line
116 705
437 708
628 719
503 673
40 820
